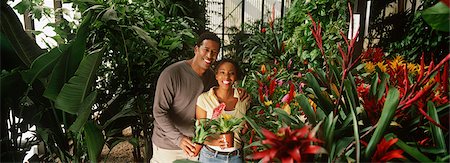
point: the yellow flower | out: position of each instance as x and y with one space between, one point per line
268 103
370 67
227 116
314 105
287 109
413 68
397 61
381 66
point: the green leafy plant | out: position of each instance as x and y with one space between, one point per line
203 129
226 123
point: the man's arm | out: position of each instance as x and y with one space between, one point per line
164 96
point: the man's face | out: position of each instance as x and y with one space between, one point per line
206 54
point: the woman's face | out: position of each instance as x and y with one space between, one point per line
226 75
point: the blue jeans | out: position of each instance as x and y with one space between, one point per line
208 156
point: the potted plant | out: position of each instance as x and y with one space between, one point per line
202 131
225 125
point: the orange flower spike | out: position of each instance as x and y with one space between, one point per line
263 69
272 18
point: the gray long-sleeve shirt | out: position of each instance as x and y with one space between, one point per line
174 105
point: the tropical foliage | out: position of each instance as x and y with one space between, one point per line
361 106
102 71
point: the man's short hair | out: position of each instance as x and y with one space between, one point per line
208 36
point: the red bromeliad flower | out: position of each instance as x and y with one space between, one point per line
218 110
382 154
289 146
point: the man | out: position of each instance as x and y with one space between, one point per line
176 94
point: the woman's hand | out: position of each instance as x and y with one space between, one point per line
216 141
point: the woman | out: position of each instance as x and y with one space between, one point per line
214 150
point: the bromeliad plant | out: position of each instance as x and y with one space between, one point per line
202 130
365 106
224 123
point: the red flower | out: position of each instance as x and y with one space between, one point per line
263 30
218 110
289 146
382 154
260 91
272 87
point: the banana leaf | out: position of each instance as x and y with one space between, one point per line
75 91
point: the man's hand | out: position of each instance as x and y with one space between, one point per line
243 94
187 146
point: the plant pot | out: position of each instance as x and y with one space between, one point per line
198 147
228 138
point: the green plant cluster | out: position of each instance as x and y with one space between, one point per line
98 80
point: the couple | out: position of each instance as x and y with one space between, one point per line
176 104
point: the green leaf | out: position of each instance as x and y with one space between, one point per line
25 47
123 113
94 140
286 118
351 100
75 91
69 62
438 135
324 101
438 16
254 126
414 152
43 65
309 112
329 127
84 113
386 117
110 14
145 35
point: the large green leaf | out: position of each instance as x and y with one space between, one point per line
69 62
84 113
309 112
94 140
24 46
438 135
386 117
43 65
329 127
123 113
75 91
324 100
438 17
350 97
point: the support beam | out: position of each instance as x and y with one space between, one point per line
360 8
